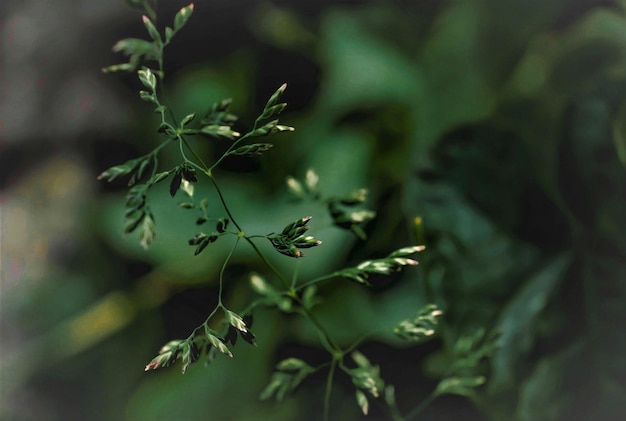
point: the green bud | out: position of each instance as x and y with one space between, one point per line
355 198
250 150
182 17
187 119
154 34
275 96
147 78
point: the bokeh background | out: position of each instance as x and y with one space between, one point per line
499 124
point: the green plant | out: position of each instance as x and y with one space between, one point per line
220 331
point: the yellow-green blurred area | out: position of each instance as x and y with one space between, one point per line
491 131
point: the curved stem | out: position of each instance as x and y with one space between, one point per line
230 148
361 339
267 262
193 152
221 287
180 147
221 196
328 343
294 278
316 280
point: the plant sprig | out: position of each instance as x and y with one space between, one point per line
220 331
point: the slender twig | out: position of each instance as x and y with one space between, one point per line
417 410
316 280
329 388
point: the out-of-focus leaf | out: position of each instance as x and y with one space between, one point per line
516 323
544 394
463 386
619 134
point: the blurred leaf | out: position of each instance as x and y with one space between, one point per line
362 401
290 373
423 326
392 263
619 133
463 386
517 321
544 394
182 17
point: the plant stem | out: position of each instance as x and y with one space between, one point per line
329 388
416 411
225 154
316 280
193 152
219 193
232 251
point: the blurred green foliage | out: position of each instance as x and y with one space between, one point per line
501 125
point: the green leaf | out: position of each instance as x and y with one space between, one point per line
182 17
362 272
136 209
311 180
158 177
275 96
219 131
309 297
261 286
290 373
356 197
147 230
619 133
270 128
235 321
167 355
136 49
293 364
134 46
407 251
366 376
251 150
218 115
169 34
132 221
217 343
146 96
147 78
139 170
362 401
152 31
291 239
278 386
348 218
518 319
423 326
186 356
188 118
463 386
272 111
120 170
